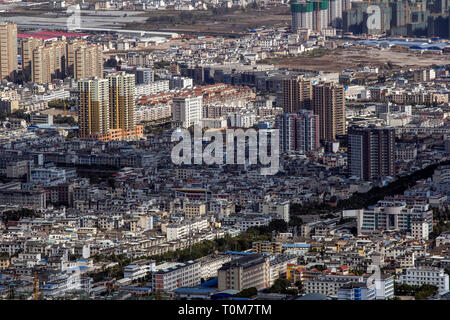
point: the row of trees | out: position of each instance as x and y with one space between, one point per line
16 215
65 119
284 286
242 242
363 200
419 292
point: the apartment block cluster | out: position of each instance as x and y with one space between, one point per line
76 199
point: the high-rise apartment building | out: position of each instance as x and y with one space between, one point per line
335 13
371 152
93 104
329 104
28 45
302 15
313 15
8 51
49 62
298 132
106 108
297 94
88 62
121 100
71 49
320 15
187 111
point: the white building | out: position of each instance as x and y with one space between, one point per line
182 275
137 271
418 277
392 215
69 281
242 120
420 229
180 83
187 111
182 229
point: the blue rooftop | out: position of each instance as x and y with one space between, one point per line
195 290
211 283
239 253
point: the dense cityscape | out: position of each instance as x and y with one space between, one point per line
105 196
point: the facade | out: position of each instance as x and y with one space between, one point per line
393 215
371 152
335 13
302 15
329 104
88 62
194 209
121 101
182 229
419 229
356 291
210 265
279 210
384 287
182 275
329 285
187 111
144 75
93 105
49 62
138 271
8 50
23 198
106 108
245 272
312 15
180 83
28 45
418 277
65 283
297 94
267 247
298 132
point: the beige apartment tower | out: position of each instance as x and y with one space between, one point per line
93 104
121 100
88 62
71 48
49 62
297 94
8 51
28 45
329 104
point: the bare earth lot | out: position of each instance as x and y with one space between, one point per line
340 59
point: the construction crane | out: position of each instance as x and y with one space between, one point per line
408 14
318 16
35 286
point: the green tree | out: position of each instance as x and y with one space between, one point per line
246 293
